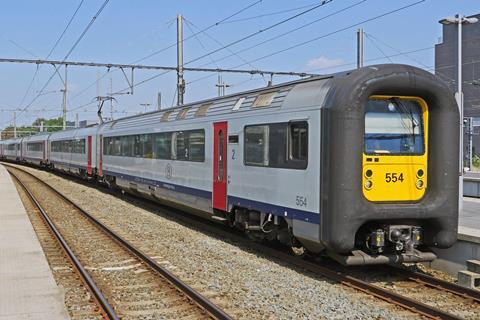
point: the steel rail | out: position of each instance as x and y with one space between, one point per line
450 287
414 306
99 297
363 286
209 307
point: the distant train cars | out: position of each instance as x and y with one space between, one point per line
360 165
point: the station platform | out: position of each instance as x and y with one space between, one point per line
27 287
453 260
469 220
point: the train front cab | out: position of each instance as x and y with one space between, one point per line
394 166
390 193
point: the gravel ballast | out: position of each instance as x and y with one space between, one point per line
246 285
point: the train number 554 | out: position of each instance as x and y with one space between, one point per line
393 177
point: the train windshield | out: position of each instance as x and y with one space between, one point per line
393 126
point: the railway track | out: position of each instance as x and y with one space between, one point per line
413 298
349 277
124 281
79 301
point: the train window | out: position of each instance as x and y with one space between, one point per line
117 146
181 145
146 146
178 148
35 146
393 126
126 146
54 146
163 145
108 146
298 141
256 145
137 146
196 143
277 145
79 146
188 145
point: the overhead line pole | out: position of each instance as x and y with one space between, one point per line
65 100
360 52
14 124
180 80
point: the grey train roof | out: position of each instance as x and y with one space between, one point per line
310 91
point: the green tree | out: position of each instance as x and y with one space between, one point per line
50 125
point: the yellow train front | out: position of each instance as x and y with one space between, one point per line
389 187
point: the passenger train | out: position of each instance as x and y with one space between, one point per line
360 165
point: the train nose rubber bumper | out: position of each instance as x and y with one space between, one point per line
358 258
343 206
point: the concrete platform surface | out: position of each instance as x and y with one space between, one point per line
27 287
453 260
469 220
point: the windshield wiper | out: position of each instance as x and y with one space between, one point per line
408 111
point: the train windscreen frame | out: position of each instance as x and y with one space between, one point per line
393 127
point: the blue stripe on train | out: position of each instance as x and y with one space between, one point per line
290 213
286 212
160 184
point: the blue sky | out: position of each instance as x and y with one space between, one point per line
129 30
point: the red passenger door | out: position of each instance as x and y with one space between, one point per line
220 166
89 155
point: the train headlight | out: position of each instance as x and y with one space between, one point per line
368 184
368 173
419 184
420 173
416 235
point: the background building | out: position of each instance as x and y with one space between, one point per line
446 53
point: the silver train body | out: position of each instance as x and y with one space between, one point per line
275 162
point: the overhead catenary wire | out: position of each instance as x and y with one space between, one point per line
290 31
99 11
220 43
297 45
272 13
189 26
251 35
428 68
372 59
303 43
378 47
204 29
243 9
52 50
322 3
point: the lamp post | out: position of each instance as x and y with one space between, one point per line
459 20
